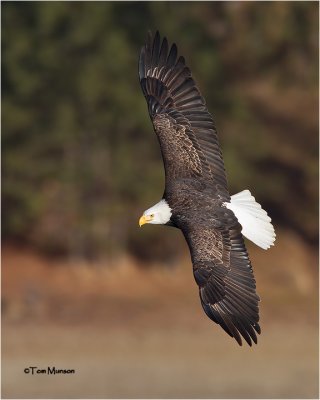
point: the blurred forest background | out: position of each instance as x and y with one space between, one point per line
80 158
80 163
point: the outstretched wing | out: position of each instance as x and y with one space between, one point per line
186 132
223 271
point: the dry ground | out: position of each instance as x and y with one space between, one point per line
131 333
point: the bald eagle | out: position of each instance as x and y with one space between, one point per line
196 198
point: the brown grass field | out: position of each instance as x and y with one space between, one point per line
141 333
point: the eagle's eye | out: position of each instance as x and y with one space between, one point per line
152 215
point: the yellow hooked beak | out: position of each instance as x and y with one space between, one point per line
145 219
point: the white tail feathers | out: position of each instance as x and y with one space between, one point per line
255 222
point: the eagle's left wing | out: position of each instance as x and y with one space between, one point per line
224 274
186 131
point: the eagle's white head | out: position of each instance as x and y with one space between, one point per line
160 213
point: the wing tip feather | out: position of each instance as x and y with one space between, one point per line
232 325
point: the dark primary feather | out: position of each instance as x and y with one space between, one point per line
171 93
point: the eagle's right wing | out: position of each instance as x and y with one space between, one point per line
224 274
186 132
